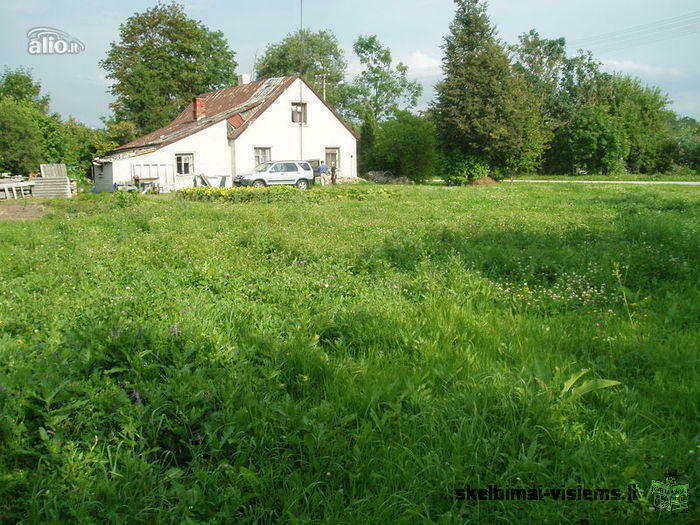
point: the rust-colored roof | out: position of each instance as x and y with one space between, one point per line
236 121
239 105
220 104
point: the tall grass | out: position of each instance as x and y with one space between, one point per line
348 359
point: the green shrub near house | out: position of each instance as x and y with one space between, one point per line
241 194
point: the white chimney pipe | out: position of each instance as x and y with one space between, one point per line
243 78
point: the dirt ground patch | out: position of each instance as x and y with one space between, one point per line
484 181
20 211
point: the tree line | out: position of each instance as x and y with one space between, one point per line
530 107
499 109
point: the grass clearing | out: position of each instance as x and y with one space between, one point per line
345 359
662 177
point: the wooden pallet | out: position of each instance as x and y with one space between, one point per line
15 190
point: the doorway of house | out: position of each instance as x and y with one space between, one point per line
333 155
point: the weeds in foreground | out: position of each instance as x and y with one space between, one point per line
348 360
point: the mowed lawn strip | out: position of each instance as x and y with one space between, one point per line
348 356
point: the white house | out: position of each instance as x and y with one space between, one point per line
232 130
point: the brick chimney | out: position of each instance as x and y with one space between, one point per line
200 108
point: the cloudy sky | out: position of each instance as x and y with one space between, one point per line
669 33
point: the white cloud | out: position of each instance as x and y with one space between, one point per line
422 65
629 66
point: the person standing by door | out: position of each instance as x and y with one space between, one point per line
323 173
334 173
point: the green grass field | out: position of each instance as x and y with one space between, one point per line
662 177
349 356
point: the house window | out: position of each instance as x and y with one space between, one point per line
333 155
184 163
262 155
299 112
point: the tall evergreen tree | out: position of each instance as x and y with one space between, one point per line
484 108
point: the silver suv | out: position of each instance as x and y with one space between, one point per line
297 173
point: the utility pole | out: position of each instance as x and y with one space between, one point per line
303 50
323 84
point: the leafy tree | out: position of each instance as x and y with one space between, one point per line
485 109
541 62
118 133
81 144
20 85
163 59
30 134
569 86
406 146
597 141
317 56
21 149
643 113
381 87
682 147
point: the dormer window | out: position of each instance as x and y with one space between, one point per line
299 112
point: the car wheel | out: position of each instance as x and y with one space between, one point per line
303 184
259 183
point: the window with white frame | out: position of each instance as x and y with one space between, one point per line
262 155
184 163
299 112
333 156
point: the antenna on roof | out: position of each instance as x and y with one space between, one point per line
254 73
301 37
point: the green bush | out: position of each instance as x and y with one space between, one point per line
405 146
598 142
461 169
126 199
21 149
243 194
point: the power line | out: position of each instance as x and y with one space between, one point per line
618 46
660 33
660 25
651 33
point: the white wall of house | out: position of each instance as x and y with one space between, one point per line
211 156
274 129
